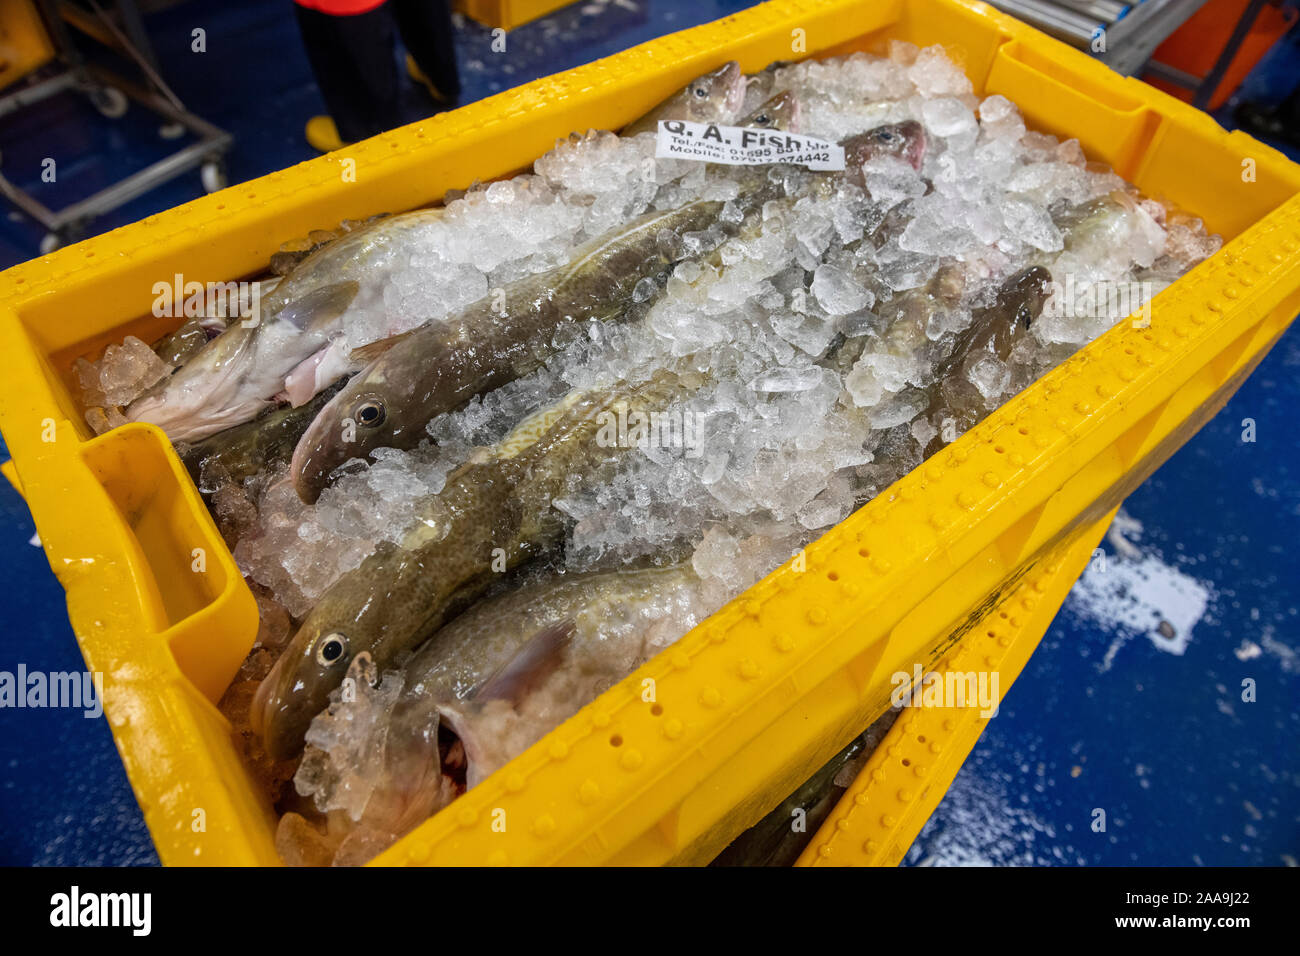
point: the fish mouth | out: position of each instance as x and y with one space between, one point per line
453 757
257 713
311 463
277 721
306 477
736 83
454 727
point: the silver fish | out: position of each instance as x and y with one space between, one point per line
241 371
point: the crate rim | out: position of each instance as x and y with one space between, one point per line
1135 368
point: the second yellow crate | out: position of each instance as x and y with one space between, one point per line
508 14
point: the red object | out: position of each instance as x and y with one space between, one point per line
340 8
1195 46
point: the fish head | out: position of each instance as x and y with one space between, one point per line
380 407
406 784
206 395
1024 294
298 687
780 112
715 97
237 373
905 140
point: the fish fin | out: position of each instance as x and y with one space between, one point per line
320 306
365 354
530 665
532 427
300 383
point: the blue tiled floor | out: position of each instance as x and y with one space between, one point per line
1185 771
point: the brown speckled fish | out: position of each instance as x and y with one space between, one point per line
493 514
441 366
715 97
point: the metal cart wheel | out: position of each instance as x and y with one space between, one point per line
110 101
213 173
64 235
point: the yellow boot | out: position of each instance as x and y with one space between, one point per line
323 135
414 72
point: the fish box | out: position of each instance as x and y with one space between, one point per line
749 703
508 14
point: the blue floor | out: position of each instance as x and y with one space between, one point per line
1185 770
1103 717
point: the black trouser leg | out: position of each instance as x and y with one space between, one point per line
426 30
352 58
1289 114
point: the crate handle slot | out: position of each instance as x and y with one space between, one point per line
1062 95
184 578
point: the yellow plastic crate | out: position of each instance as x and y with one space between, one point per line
508 14
905 778
761 694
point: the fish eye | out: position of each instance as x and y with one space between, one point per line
762 119
701 92
331 648
886 136
370 414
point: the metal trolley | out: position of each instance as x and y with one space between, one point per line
111 94
1132 31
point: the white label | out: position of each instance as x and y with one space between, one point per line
744 146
